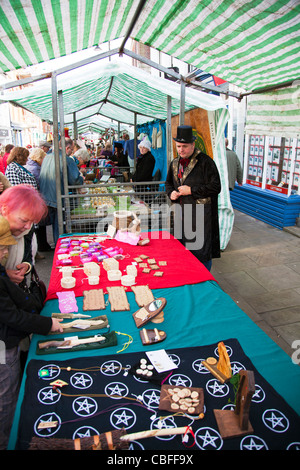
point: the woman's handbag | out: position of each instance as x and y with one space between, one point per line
36 286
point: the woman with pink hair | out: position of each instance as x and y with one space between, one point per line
22 206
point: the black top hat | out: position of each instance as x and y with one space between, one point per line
185 135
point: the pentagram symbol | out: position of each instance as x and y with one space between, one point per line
180 380
151 398
116 390
81 380
123 418
84 406
85 431
236 367
259 395
216 389
252 442
111 367
199 367
47 418
167 423
52 371
49 396
275 420
208 439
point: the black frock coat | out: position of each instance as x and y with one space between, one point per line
202 176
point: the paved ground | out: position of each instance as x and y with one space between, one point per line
259 270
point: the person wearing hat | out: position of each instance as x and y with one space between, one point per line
19 317
145 164
193 184
45 146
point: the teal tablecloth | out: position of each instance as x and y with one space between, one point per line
195 315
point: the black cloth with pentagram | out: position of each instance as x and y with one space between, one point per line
101 396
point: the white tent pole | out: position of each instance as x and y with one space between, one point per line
182 103
169 131
64 161
56 153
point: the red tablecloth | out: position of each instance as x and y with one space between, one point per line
181 268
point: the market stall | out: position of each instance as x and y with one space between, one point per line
94 385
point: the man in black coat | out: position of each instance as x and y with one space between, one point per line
193 184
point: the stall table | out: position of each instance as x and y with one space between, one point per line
102 392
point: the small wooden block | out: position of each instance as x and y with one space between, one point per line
158 274
117 298
162 263
228 424
146 270
211 365
152 336
151 261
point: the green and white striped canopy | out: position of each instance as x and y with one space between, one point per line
115 90
250 43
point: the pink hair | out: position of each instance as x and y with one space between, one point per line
26 199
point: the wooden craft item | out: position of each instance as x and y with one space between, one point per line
188 400
221 369
235 423
68 282
70 342
84 324
111 440
110 263
117 298
91 269
70 315
152 336
93 300
143 296
149 311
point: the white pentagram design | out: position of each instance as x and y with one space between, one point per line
259 394
123 417
216 389
151 398
116 390
199 367
49 396
81 380
47 418
53 370
180 380
84 406
85 431
275 420
236 367
166 423
253 442
208 439
111 367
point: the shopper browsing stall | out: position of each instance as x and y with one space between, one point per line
19 317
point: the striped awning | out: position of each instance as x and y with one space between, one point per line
250 43
115 91
276 113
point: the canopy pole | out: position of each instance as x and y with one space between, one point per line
64 161
75 133
182 103
56 153
135 142
169 131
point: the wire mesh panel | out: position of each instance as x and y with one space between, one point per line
90 208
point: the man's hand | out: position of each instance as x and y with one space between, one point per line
184 190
